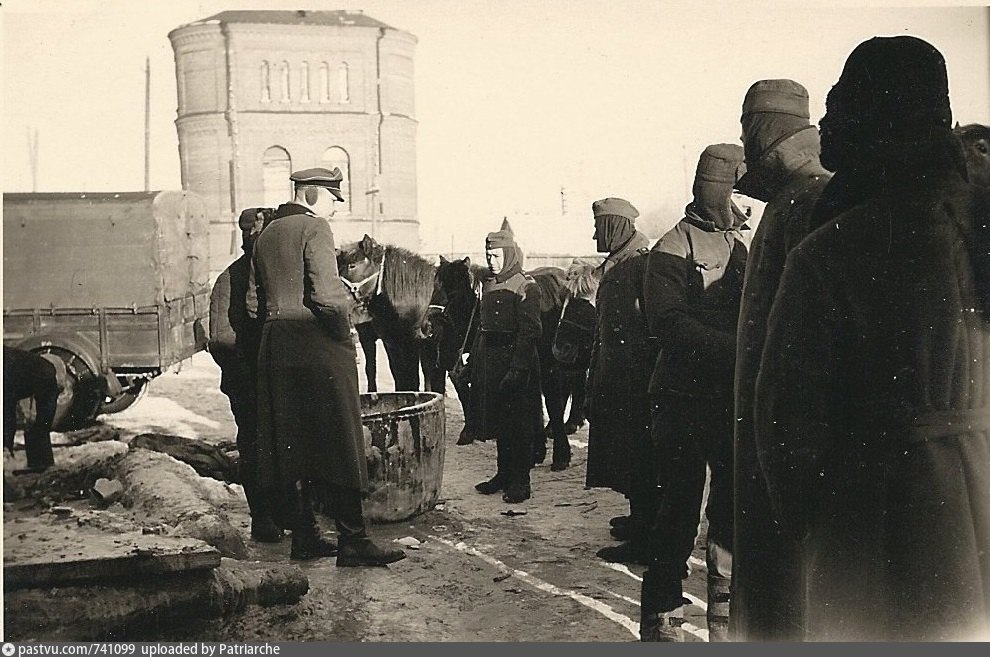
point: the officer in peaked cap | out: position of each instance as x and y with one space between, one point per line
320 177
311 442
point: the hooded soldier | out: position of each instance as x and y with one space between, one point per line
234 339
618 411
783 170
505 367
692 288
873 395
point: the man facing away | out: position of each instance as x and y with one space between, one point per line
873 394
233 344
782 170
310 439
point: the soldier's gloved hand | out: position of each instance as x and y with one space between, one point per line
514 380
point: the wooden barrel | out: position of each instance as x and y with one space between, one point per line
404 443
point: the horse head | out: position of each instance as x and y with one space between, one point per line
359 266
975 139
451 307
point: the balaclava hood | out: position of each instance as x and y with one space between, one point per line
773 112
614 223
719 167
512 255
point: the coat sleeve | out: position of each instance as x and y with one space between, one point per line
665 295
221 332
325 294
529 329
792 409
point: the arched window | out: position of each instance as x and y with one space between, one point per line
343 89
266 83
335 156
324 83
283 70
304 82
276 167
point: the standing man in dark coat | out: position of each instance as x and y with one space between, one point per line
692 288
783 170
234 338
310 439
620 454
505 367
26 374
873 397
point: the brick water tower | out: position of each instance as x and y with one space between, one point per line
263 93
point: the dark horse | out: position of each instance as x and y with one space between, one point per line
459 281
394 287
975 139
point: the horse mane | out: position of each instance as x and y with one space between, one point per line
408 278
972 132
551 283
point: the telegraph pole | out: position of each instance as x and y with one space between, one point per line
147 123
33 156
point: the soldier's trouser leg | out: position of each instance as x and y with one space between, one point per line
575 384
718 547
348 514
243 404
37 437
680 461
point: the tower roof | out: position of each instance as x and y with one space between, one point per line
339 17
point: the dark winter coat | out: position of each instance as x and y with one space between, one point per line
309 413
621 362
692 287
508 335
873 409
766 588
234 335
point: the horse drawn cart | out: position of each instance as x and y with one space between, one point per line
113 288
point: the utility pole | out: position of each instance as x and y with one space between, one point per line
147 123
32 135
563 202
373 193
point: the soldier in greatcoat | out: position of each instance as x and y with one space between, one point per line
873 396
782 170
620 454
310 440
233 343
692 287
505 367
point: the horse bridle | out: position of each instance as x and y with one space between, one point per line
355 288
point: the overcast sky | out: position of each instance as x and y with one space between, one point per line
515 99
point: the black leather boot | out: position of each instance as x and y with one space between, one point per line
492 486
466 437
309 545
356 552
264 530
631 552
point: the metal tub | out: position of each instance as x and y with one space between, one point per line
404 435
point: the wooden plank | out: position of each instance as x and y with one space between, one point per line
40 552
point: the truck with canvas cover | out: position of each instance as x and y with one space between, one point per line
113 288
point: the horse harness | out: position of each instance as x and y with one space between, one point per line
355 288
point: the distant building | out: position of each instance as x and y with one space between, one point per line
262 93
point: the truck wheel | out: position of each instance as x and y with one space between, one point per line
81 390
125 399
